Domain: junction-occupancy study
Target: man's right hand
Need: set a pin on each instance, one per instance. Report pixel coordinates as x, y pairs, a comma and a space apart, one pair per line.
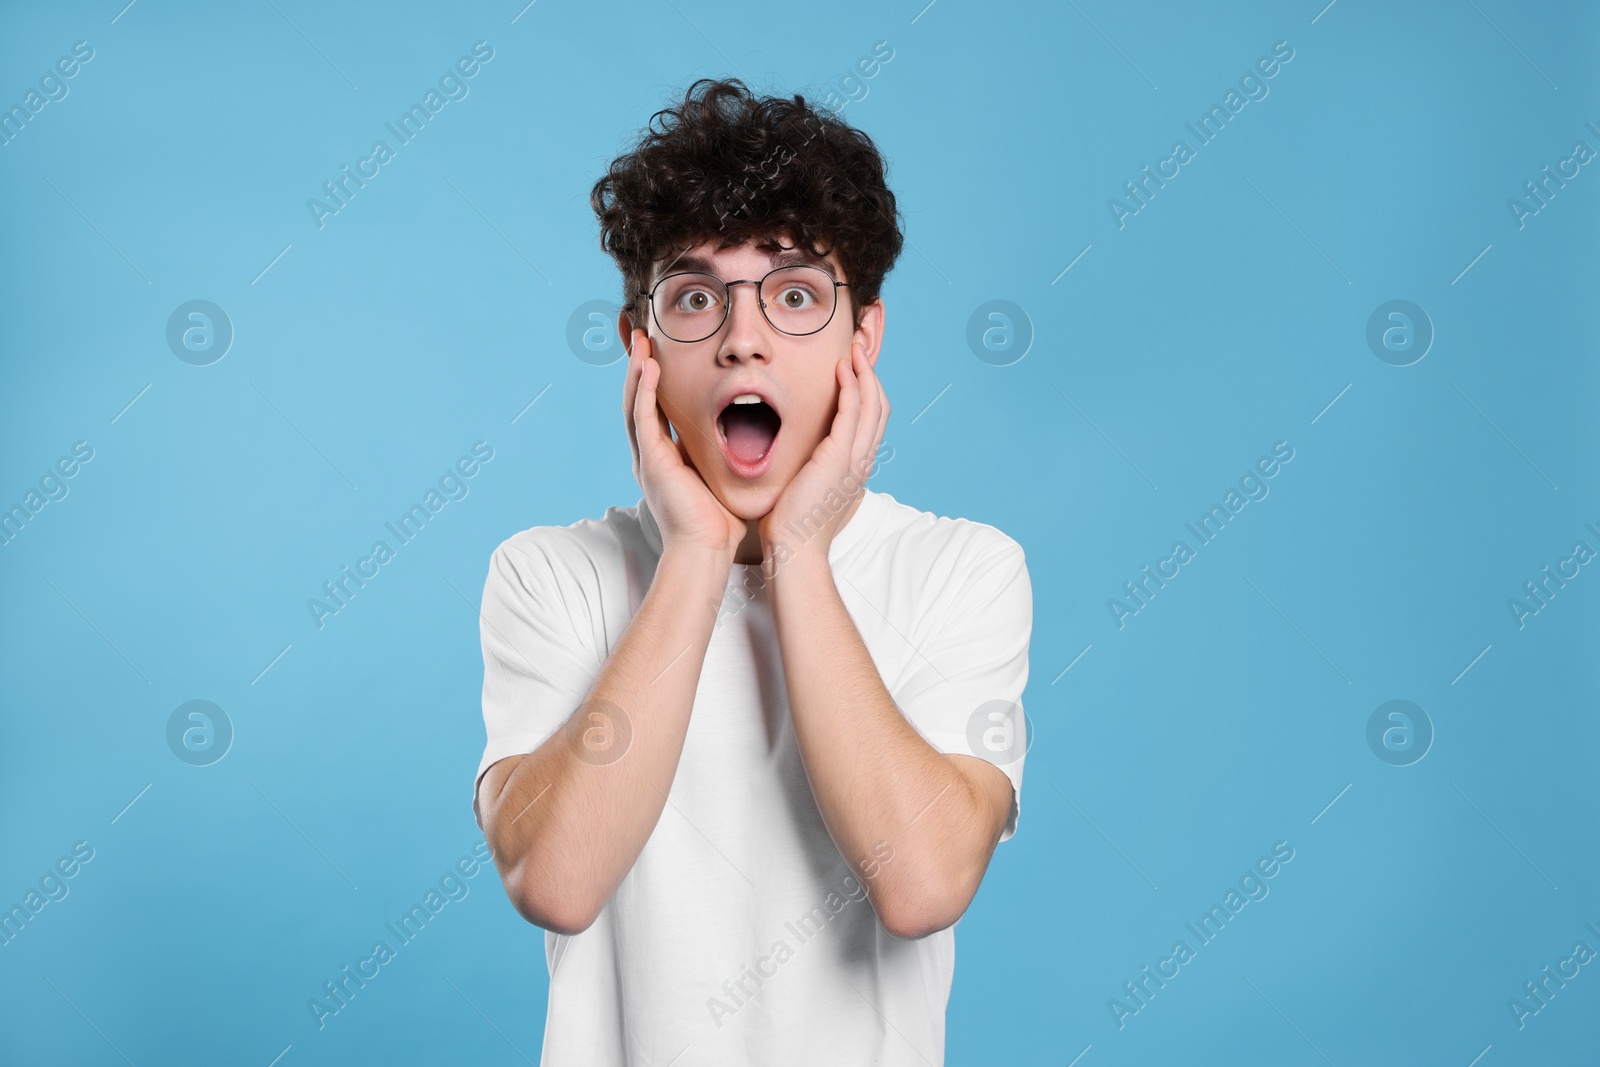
565, 827
685, 509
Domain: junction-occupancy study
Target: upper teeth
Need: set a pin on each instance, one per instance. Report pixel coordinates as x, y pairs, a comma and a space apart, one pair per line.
747, 398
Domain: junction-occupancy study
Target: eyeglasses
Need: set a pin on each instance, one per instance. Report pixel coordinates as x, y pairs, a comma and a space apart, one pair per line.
691, 306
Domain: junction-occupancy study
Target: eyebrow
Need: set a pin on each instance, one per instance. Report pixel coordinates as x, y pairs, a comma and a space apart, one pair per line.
791, 258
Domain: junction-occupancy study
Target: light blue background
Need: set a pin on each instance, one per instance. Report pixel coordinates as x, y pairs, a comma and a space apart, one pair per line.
1225, 316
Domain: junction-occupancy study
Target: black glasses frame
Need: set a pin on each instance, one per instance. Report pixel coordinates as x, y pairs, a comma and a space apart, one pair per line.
727, 303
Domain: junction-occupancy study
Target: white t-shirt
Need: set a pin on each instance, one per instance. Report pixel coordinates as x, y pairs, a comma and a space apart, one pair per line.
741, 936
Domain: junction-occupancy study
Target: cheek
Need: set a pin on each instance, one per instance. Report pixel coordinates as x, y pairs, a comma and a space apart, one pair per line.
825, 399
669, 398
813, 417
678, 402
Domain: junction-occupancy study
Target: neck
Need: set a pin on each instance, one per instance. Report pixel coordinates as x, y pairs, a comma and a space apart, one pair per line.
749, 550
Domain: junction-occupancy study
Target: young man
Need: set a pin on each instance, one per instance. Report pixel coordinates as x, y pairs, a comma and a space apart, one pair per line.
752, 741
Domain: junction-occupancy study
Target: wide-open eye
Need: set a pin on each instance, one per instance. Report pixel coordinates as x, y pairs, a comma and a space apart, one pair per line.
798, 300
695, 299
796, 297
689, 294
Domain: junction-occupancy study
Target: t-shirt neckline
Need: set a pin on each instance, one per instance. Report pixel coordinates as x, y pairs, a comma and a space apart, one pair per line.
868, 515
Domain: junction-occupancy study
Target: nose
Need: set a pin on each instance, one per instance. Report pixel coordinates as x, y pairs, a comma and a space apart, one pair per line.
749, 334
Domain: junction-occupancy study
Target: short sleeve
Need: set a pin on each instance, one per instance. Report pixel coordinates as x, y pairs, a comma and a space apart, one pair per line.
537, 665
964, 689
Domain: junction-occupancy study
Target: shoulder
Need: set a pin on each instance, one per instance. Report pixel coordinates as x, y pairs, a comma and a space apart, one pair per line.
587, 546
945, 545
941, 570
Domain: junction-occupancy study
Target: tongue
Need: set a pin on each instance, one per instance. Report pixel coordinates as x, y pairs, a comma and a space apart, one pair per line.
749, 435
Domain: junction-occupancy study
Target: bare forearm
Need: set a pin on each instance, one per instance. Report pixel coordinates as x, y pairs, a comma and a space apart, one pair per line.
573, 815
875, 779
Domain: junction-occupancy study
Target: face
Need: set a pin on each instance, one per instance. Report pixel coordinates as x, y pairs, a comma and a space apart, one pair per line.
748, 452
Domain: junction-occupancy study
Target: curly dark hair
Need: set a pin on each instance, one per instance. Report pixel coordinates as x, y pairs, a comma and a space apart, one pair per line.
726, 163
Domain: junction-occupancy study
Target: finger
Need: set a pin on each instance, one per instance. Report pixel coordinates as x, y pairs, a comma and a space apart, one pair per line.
872, 399
630, 388
848, 415
646, 410
866, 424
883, 414
883, 426
670, 434
878, 422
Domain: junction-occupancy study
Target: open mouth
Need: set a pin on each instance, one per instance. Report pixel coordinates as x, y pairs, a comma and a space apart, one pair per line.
748, 426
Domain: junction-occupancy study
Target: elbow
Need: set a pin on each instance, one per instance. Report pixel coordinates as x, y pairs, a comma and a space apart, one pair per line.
540, 899
556, 921
558, 913
909, 912
551, 912
911, 922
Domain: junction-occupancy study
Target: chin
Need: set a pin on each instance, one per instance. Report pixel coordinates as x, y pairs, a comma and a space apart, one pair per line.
749, 502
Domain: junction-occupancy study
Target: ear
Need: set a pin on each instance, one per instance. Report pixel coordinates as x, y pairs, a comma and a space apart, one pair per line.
870, 333
625, 329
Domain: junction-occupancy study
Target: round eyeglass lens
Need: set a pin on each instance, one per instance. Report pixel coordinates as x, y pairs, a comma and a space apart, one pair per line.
799, 300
